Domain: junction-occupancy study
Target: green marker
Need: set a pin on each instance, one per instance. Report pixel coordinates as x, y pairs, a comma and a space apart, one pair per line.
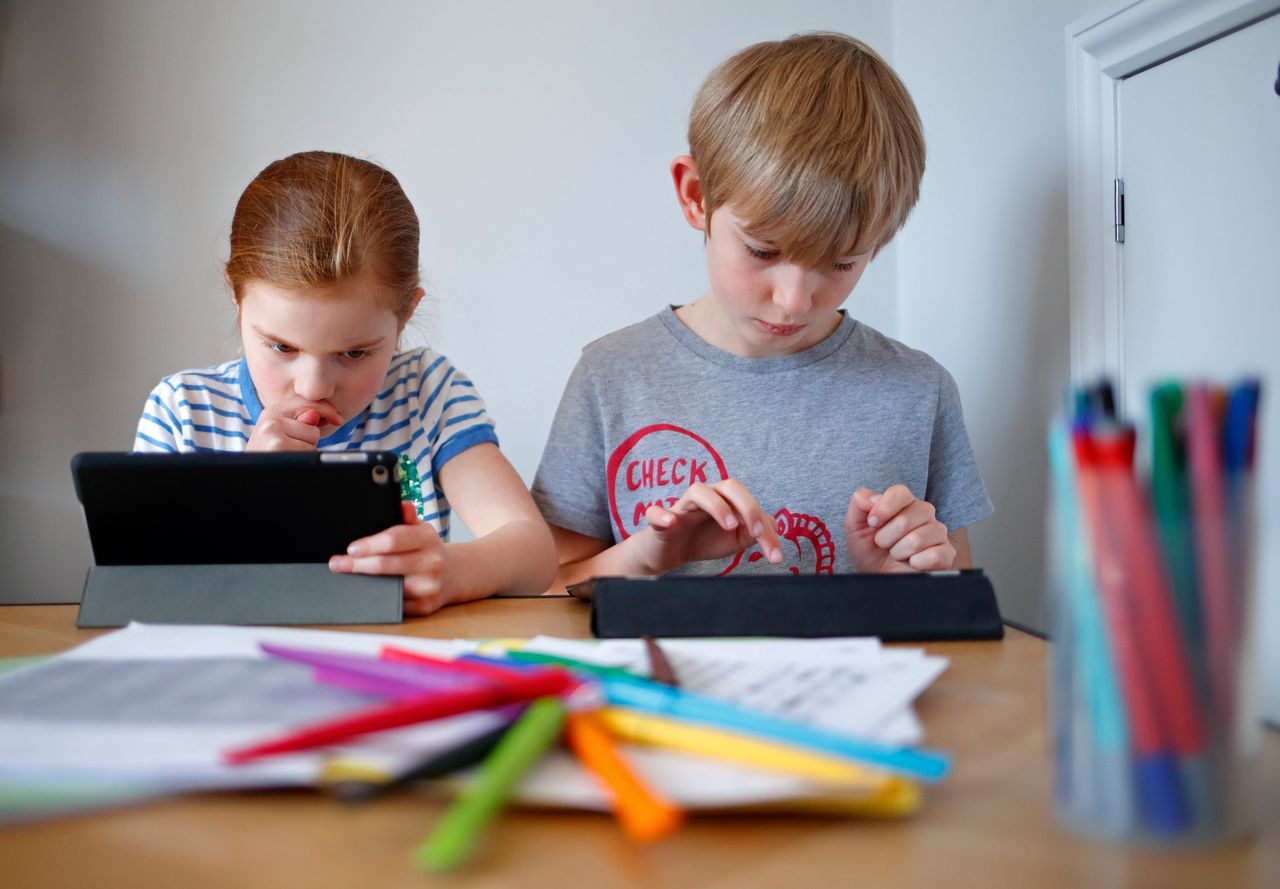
450, 844
536, 657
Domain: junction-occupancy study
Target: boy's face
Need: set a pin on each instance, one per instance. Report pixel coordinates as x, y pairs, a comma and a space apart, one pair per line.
764, 305
328, 344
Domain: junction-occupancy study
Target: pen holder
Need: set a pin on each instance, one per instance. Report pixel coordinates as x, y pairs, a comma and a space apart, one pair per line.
1154, 728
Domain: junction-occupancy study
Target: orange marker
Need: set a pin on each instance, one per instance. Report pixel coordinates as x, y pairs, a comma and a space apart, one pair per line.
645, 817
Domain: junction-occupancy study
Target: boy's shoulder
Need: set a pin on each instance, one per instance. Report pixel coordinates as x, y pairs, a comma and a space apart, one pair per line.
636, 339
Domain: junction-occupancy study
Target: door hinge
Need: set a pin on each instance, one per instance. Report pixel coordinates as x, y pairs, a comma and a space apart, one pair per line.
1118, 197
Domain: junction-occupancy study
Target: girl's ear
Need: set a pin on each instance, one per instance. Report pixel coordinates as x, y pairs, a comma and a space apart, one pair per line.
414, 299
684, 173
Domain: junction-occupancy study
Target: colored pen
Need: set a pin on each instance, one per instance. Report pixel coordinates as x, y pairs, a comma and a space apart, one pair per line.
644, 815
409, 712
1100, 732
361, 788
1171, 498
1157, 782
683, 705
554, 660
719, 743
1213, 553
450, 844
660, 668
392, 677
476, 668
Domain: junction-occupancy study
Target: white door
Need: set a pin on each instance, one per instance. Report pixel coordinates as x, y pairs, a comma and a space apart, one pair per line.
1199, 140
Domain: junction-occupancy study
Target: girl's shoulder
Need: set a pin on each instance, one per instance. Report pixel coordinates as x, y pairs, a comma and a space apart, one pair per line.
219, 380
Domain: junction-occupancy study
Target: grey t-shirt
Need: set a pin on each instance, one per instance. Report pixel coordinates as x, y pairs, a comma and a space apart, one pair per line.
652, 408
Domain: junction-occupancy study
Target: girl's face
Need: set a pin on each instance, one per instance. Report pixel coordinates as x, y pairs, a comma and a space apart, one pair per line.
326, 344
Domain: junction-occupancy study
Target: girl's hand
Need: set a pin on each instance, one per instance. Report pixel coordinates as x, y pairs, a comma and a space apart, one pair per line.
709, 521
413, 550
894, 531
292, 425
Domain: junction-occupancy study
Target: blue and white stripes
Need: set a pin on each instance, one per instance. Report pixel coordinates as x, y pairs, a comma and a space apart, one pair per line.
426, 408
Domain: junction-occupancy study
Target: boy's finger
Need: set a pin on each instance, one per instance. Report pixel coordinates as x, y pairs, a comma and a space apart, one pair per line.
711, 502
762, 527
935, 558
659, 517
889, 504
918, 540
916, 515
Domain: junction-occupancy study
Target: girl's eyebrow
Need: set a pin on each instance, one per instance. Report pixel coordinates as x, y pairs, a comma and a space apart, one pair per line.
268, 336
357, 347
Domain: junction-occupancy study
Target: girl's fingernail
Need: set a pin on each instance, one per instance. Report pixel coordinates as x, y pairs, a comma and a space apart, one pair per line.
731, 523
357, 548
874, 497
338, 563
757, 529
873, 520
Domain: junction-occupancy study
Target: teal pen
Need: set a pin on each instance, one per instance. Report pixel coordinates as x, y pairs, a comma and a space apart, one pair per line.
1104, 793
451, 843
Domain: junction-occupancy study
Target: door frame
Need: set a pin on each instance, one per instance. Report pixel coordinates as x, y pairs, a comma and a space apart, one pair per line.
1102, 49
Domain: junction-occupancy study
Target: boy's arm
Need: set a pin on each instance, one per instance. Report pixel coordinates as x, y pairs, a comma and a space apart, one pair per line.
709, 521
964, 556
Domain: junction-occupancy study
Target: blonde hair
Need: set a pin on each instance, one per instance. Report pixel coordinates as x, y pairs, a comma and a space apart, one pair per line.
317, 217
815, 142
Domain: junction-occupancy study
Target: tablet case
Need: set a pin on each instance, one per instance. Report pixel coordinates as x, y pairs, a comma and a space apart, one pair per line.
260, 594
234, 538
896, 607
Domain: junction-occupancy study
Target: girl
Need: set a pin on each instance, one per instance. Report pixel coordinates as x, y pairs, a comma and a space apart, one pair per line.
324, 276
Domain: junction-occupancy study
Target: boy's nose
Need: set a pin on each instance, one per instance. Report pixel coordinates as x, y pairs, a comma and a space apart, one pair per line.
792, 290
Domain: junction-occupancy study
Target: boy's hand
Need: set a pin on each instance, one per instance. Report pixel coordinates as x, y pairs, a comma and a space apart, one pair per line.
894, 531
291, 425
413, 550
709, 521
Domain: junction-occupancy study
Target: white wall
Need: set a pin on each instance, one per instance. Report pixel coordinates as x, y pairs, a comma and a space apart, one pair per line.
532, 137
982, 265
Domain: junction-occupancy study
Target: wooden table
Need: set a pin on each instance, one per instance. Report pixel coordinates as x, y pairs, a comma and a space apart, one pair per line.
989, 825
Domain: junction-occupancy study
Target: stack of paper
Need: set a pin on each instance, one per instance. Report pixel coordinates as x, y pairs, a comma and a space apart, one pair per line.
151, 709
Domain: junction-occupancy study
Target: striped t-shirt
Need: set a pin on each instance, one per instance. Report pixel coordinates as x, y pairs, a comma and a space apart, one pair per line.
426, 408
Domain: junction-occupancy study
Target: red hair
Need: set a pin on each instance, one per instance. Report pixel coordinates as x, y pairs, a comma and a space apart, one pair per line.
315, 218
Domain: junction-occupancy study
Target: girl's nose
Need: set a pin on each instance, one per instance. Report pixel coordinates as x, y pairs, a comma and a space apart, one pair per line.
313, 382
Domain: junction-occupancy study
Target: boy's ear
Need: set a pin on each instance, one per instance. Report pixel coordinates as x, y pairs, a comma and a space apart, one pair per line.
684, 173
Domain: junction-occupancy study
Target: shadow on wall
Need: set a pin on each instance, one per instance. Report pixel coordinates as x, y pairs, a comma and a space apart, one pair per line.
64, 325
1013, 540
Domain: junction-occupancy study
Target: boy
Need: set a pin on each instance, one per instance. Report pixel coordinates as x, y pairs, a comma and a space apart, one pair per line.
805, 159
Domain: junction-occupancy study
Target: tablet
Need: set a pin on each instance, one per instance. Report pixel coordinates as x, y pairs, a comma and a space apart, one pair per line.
943, 605
218, 509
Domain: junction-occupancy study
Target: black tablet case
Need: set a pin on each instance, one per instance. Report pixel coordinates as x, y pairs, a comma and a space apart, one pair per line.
233, 538
895, 607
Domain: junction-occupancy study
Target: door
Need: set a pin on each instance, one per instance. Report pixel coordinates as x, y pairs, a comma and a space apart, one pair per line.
1199, 139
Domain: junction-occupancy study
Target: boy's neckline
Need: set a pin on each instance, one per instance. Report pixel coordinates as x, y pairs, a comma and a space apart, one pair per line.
707, 351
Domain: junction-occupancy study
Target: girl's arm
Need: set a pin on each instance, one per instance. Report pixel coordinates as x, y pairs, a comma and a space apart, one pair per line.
512, 553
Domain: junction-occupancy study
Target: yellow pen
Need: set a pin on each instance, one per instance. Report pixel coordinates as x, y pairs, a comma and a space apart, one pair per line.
645, 728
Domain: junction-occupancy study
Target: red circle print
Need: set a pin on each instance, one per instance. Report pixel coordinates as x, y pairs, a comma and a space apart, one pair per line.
655, 465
